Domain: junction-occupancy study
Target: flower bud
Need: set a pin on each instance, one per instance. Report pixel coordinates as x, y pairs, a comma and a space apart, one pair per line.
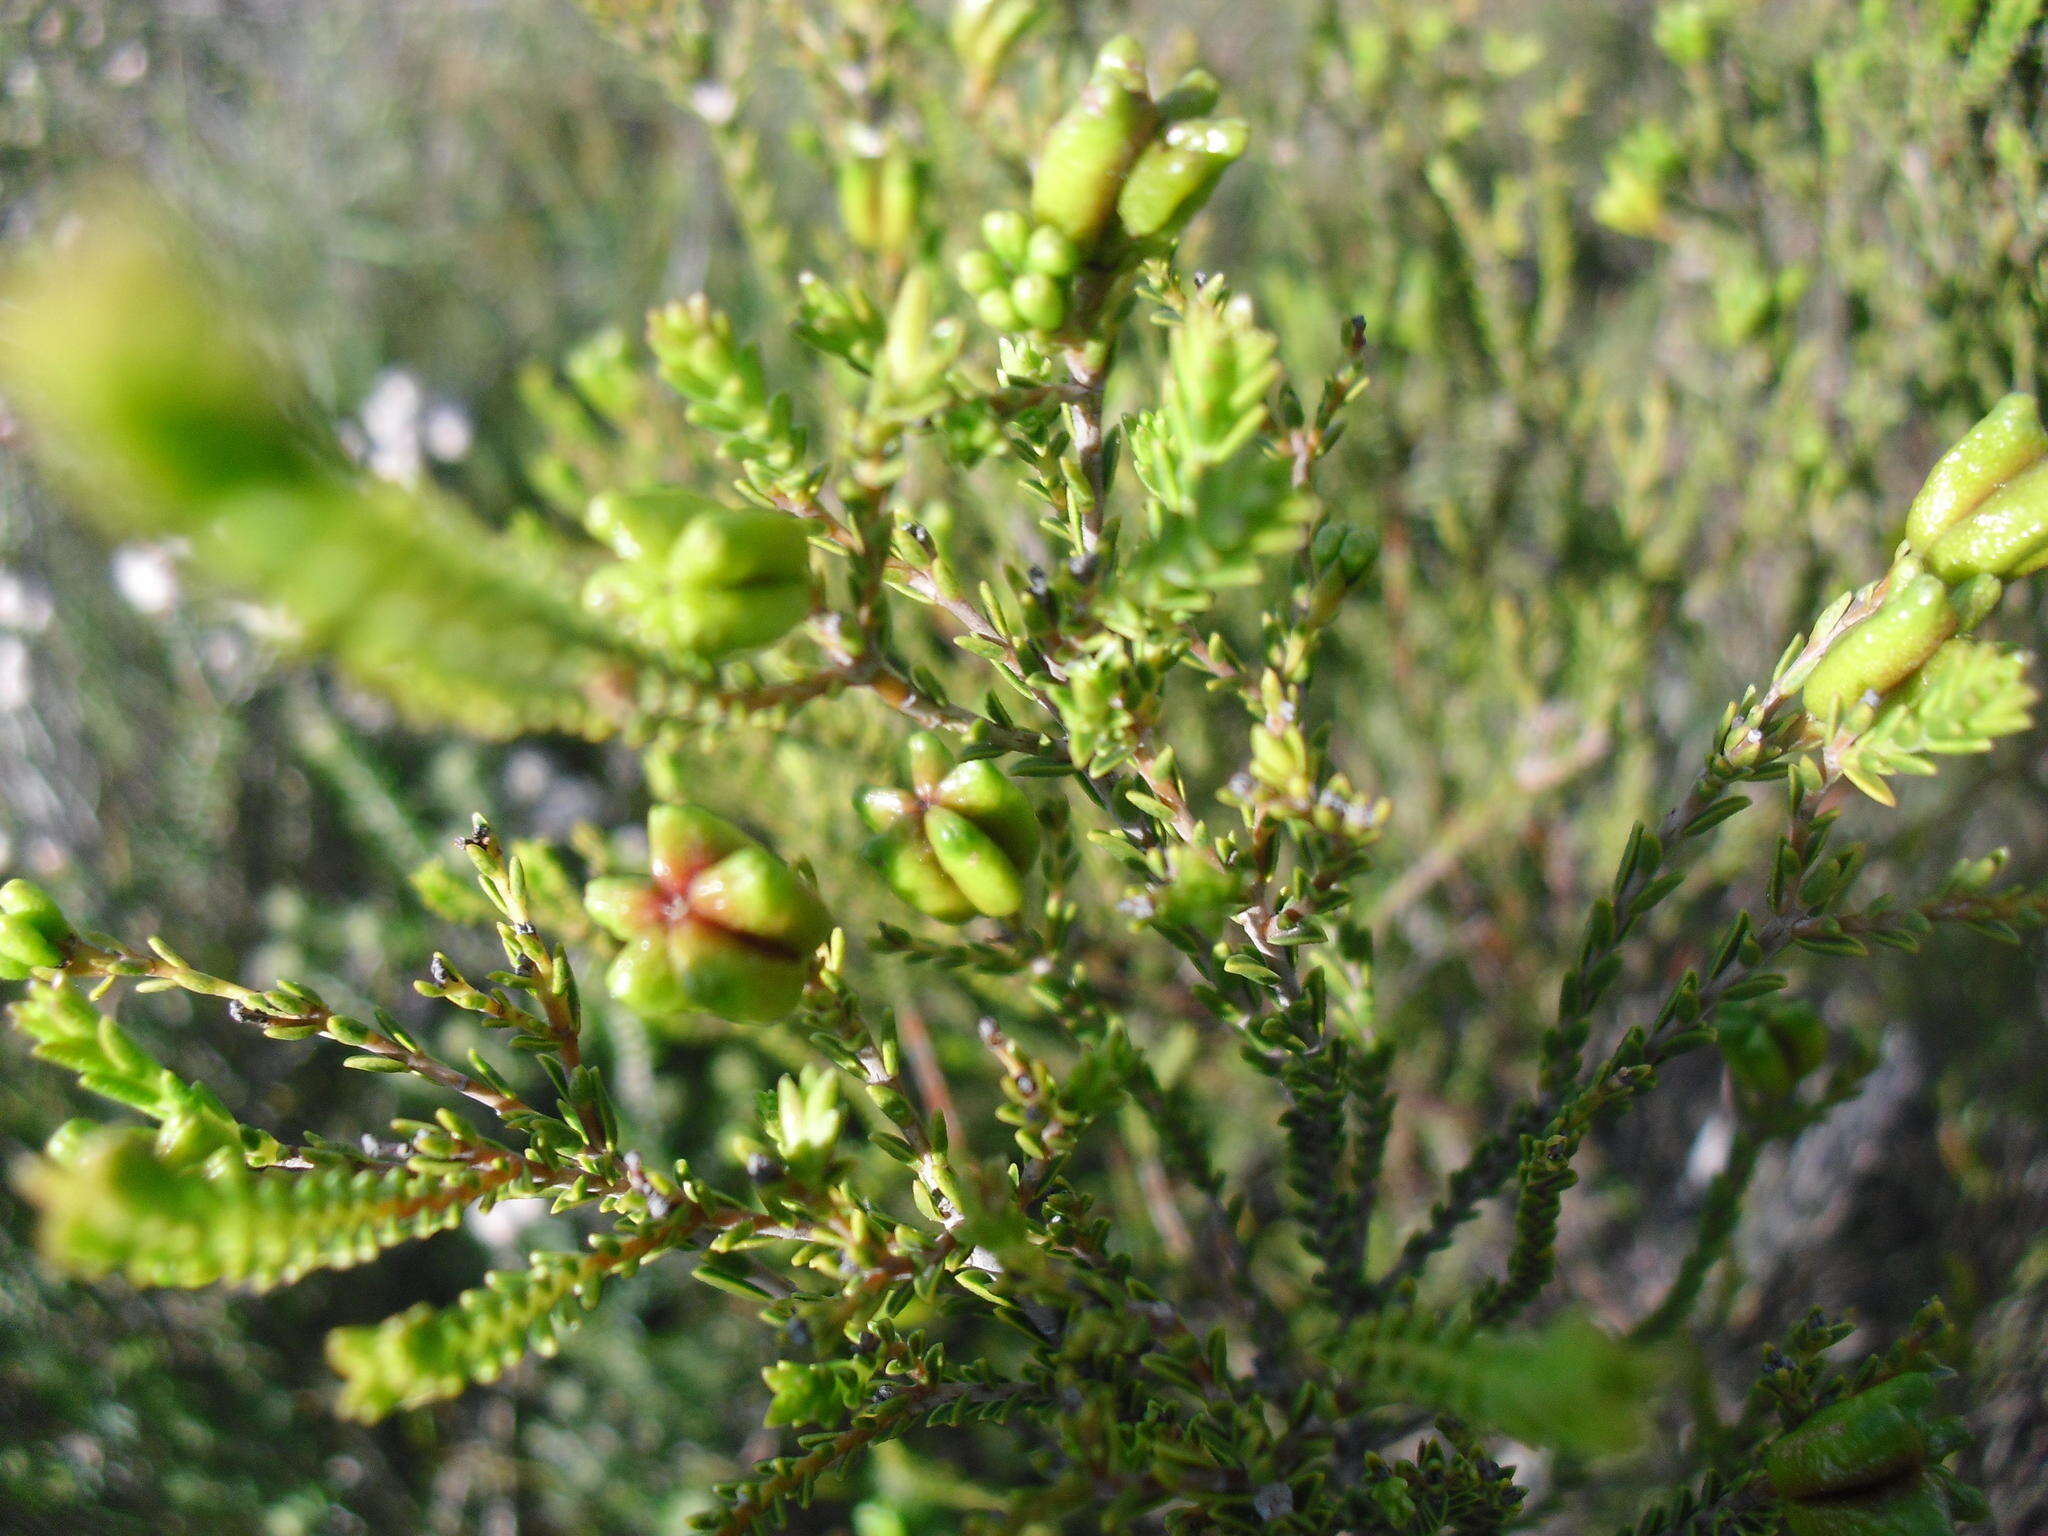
858, 184
741, 578
2005, 442
1089, 150
1007, 234
1194, 94
958, 842
33, 904
1914, 1508
23, 949
33, 932
1051, 252
1974, 600
1860, 1441
720, 926
1176, 174
2007, 534
1340, 555
881, 189
1771, 1049
997, 312
984, 31
643, 524
1038, 301
1882, 650
979, 272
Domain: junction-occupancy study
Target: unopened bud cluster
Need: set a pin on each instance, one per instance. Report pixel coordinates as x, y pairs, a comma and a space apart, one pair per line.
1119, 177
696, 576
1980, 520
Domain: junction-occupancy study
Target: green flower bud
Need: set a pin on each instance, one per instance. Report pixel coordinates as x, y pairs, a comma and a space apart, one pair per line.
1090, 149
1755, 1063
33, 933
1913, 1510
997, 312
881, 189
1883, 650
1176, 174
2007, 534
904, 858
978, 791
958, 842
741, 578
1340, 556
899, 199
979, 272
985, 876
2005, 442
1038, 301
1194, 94
1007, 234
1974, 600
984, 31
1770, 1049
33, 904
720, 926
859, 185
1860, 1442
1686, 31
641, 524
929, 760
1051, 252
1801, 1037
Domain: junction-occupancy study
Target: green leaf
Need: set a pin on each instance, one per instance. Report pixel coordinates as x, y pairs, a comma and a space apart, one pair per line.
1968, 695
154, 399
115, 1202
428, 1353
1567, 1386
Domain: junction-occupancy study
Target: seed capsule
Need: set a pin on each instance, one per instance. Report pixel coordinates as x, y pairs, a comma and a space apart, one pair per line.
721, 925
1090, 149
2005, 442
958, 842
1883, 650
741, 578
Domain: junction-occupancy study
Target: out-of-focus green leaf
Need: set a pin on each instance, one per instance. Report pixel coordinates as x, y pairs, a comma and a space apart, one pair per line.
157, 404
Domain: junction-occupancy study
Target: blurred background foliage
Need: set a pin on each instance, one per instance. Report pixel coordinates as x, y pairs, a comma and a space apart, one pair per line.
1671, 305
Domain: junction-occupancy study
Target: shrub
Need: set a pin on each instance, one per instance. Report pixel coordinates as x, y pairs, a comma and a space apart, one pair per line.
1048, 660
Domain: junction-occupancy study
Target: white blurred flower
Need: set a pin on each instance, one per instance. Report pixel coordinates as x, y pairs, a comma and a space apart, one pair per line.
446, 432
146, 576
24, 605
17, 684
401, 427
391, 427
1710, 1149
500, 1226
